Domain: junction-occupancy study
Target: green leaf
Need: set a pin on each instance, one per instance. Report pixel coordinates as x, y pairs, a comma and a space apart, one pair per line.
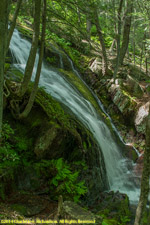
55, 182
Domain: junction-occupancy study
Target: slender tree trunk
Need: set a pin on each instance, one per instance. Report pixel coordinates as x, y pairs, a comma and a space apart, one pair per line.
112, 46
37, 77
126, 31
88, 28
118, 39
13, 24
134, 44
141, 57
146, 65
100, 35
32, 55
145, 178
3, 36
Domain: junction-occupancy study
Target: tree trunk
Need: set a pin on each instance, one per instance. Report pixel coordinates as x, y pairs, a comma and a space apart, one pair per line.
100, 35
88, 28
32, 55
37, 77
112, 46
13, 24
3, 36
145, 178
126, 31
118, 39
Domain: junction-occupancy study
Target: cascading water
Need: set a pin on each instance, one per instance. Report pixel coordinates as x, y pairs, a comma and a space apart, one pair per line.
119, 176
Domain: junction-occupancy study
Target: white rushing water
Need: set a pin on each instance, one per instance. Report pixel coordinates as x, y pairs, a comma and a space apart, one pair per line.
119, 176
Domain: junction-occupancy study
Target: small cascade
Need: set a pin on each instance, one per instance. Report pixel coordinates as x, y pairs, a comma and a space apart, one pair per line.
119, 169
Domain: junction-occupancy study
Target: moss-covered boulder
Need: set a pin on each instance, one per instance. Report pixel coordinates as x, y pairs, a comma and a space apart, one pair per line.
114, 207
72, 211
50, 133
61, 135
133, 87
122, 99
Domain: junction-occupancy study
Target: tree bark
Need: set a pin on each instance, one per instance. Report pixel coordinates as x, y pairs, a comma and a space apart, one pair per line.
145, 178
118, 39
100, 35
88, 28
126, 32
32, 55
28, 107
112, 46
13, 24
3, 35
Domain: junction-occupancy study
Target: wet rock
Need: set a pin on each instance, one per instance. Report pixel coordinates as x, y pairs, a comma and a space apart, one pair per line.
140, 119
131, 152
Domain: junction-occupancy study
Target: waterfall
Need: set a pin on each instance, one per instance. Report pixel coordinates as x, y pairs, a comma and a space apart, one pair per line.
119, 176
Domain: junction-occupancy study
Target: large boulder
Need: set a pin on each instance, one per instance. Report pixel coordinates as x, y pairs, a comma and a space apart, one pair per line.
96, 65
65, 137
114, 206
133, 87
125, 103
72, 211
140, 119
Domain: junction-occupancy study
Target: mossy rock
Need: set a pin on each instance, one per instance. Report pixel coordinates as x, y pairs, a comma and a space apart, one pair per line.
84, 90
123, 100
72, 211
133, 87
115, 206
28, 209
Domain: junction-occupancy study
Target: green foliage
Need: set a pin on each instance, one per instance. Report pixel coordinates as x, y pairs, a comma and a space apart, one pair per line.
66, 45
62, 180
7, 154
9, 159
124, 220
51, 60
108, 41
93, 30
22, 143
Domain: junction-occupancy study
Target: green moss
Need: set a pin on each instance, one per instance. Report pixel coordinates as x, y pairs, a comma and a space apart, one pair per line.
115, 211
76, 81
7, 67
109, 222
19, 208
132, 99
26, 31
52, 108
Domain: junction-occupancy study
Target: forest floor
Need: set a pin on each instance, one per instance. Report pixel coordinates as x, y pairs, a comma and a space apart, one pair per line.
32, 206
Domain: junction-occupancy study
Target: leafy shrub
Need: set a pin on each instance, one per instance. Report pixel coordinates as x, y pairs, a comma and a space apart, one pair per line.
62, 180
9, 159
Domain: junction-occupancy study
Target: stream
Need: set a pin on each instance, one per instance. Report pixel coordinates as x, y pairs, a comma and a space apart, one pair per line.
119, 169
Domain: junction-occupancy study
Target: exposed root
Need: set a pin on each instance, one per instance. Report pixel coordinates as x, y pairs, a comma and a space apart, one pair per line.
7, 93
